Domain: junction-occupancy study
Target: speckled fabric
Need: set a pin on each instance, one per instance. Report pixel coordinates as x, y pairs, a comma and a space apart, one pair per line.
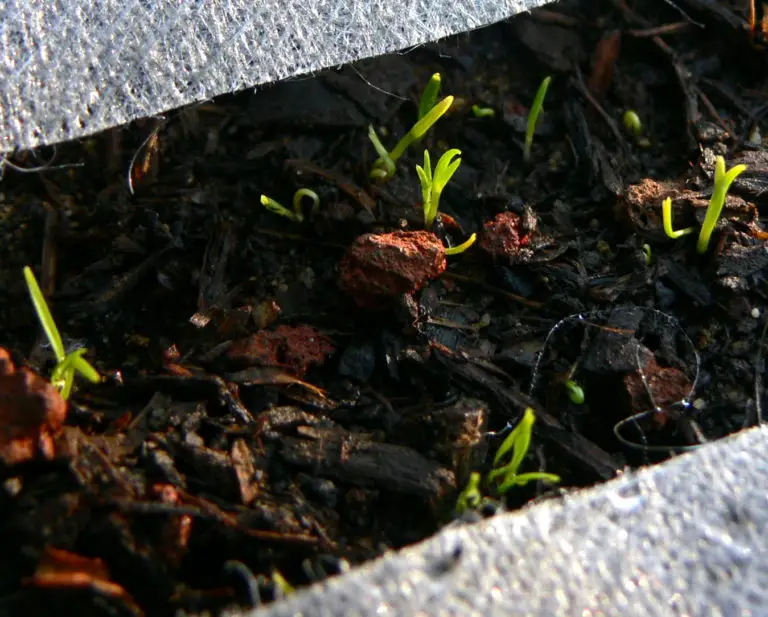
72, 68
689, 537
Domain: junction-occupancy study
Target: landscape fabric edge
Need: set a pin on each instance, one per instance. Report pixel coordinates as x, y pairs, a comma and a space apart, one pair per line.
686, 537
71, 69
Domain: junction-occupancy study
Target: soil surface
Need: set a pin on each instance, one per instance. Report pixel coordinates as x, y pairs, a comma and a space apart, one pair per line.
284, 399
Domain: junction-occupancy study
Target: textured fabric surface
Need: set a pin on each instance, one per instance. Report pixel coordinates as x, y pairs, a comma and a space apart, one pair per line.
689, 537
69, 68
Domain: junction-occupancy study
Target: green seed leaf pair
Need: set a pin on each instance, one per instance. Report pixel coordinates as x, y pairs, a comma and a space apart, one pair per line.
67, 364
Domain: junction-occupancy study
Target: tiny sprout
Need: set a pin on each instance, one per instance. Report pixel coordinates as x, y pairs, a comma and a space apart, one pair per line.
632, 123
455, 250
384, 166
666, 219
432, 185
296, 215
429, 96
282, 583
67, 364
533, 117
575, 392
483, 112
519, 440
646, 248
634, 127
471, 497
723, 181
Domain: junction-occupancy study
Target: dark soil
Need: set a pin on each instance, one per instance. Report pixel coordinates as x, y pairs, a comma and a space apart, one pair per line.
261, 413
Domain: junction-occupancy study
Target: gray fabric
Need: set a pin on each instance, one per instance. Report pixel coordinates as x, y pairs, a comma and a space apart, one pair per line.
687, 537
69, 68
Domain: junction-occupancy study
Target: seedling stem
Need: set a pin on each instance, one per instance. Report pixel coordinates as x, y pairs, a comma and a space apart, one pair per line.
723, 181
533, 117
67, 364
432, 185
666, 219
384, 167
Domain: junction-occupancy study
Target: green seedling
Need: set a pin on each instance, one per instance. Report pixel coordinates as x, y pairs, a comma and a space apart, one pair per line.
666, 219
282, 583
647, 255
432, 184
67, 364
634, 127
384, 167
483, 112
471, 497
297, 214
632, 123
533, 117
723, 181
518, 442
429, 96
456, 250
575, 391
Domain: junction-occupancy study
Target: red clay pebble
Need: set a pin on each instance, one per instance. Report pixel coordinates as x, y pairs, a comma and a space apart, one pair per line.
32, 413
379, 267
504, 236
294, 348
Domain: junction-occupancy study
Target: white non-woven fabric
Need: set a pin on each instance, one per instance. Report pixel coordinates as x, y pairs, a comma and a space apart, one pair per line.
688, 537
70, 68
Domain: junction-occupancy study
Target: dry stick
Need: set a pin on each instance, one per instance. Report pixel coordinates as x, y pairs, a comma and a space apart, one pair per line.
506, 294
613, 126
642, 33
711, 108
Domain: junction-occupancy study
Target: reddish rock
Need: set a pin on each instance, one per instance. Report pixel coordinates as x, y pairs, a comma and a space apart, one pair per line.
667, 384
506, 237
294, 348
379, 267
32, 413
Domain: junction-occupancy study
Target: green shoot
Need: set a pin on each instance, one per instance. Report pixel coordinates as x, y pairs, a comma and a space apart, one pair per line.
432, 185
455, 250
471, 497
282, 583
518, 441
575, 391
723, 181
277, 208
311, 195
67, 364
647, 255
384, 167
533, 117
632, 123
634, 127
666, 219
296, 215
483, 112
429, 96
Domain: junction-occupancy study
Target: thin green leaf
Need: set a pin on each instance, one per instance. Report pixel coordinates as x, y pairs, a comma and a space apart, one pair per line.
421, 127
384, 166
533, 117
470, 497
44, 315
429, 96
456, 250
511, 439
277, 208
723, 182
525, 478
